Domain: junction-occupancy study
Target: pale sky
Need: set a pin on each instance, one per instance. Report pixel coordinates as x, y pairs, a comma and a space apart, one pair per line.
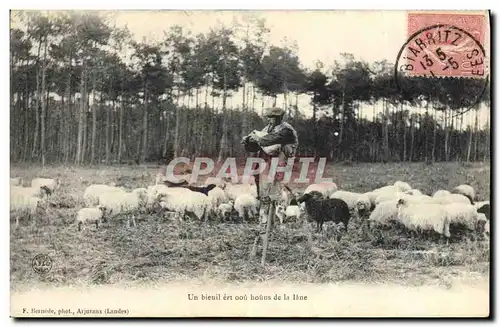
320, 35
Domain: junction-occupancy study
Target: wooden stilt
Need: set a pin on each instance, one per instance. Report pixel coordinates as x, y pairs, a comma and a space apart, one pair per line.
265, 242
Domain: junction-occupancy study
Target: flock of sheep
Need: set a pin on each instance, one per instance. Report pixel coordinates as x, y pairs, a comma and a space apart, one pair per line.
398, 203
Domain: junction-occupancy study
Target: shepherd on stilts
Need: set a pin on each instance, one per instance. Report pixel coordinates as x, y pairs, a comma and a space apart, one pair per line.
277, 140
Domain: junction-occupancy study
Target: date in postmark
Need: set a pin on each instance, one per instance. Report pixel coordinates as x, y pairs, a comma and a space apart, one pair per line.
443, 51
444, 55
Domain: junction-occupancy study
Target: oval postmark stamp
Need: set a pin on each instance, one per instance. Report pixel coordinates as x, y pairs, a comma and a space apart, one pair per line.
41, 264
446, 61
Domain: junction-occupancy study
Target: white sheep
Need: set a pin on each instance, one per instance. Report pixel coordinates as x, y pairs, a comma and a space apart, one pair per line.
182, 200
235, 190
465, 214
384, 213
325, 188
200, 205
224, 210
291, 211
388, 191
50, 184
402, 186
23, 204
420, 217
418, 199
389, 195
38, 192
89, 215
465, 190
453, 198
357, 202
246, 206
217, 196
440, 193
92, 193
115, 203
16, 181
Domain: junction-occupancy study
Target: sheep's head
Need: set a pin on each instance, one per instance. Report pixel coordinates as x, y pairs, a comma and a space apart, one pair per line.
401, 202
103, 209
304, 197
45, 190
361, 206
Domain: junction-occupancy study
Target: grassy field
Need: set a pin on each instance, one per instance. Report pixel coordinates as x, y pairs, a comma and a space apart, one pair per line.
159, 250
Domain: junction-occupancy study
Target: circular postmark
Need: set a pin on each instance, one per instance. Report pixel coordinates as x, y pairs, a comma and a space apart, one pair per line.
443, 64
41, 264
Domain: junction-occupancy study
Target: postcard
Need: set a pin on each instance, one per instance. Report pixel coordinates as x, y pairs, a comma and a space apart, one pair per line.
250, 163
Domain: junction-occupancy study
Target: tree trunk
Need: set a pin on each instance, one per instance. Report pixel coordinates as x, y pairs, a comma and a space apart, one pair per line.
120, 130
37, 104
94, 121
78, 157
145, 123
176, 135
44, 105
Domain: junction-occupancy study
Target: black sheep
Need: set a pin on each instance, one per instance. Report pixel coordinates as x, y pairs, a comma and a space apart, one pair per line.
321, 209
486, 210
203, 189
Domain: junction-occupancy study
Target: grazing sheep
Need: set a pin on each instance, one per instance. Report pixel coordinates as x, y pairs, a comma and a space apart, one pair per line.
22, 203
386, 191
116, 203
224, 210
215, 180
357, 202
246, 206
384, 213
291, 211
325, 188
38, 192
464, 214
183, 200
389, 195
453, 198
485, 209
92, 193
50, 184
421, 217
218, 196
89, 215
402, 186
465, 190
321, 209
440, 193
235, 190
16, 181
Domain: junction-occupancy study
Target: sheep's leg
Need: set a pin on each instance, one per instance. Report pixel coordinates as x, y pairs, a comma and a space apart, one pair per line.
97, 224
265, 242
133, 221
79, 226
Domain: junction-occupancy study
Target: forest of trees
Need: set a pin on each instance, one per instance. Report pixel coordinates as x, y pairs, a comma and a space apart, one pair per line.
119, 100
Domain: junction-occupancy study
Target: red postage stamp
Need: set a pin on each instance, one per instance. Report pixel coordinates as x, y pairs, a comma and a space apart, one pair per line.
452, 44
